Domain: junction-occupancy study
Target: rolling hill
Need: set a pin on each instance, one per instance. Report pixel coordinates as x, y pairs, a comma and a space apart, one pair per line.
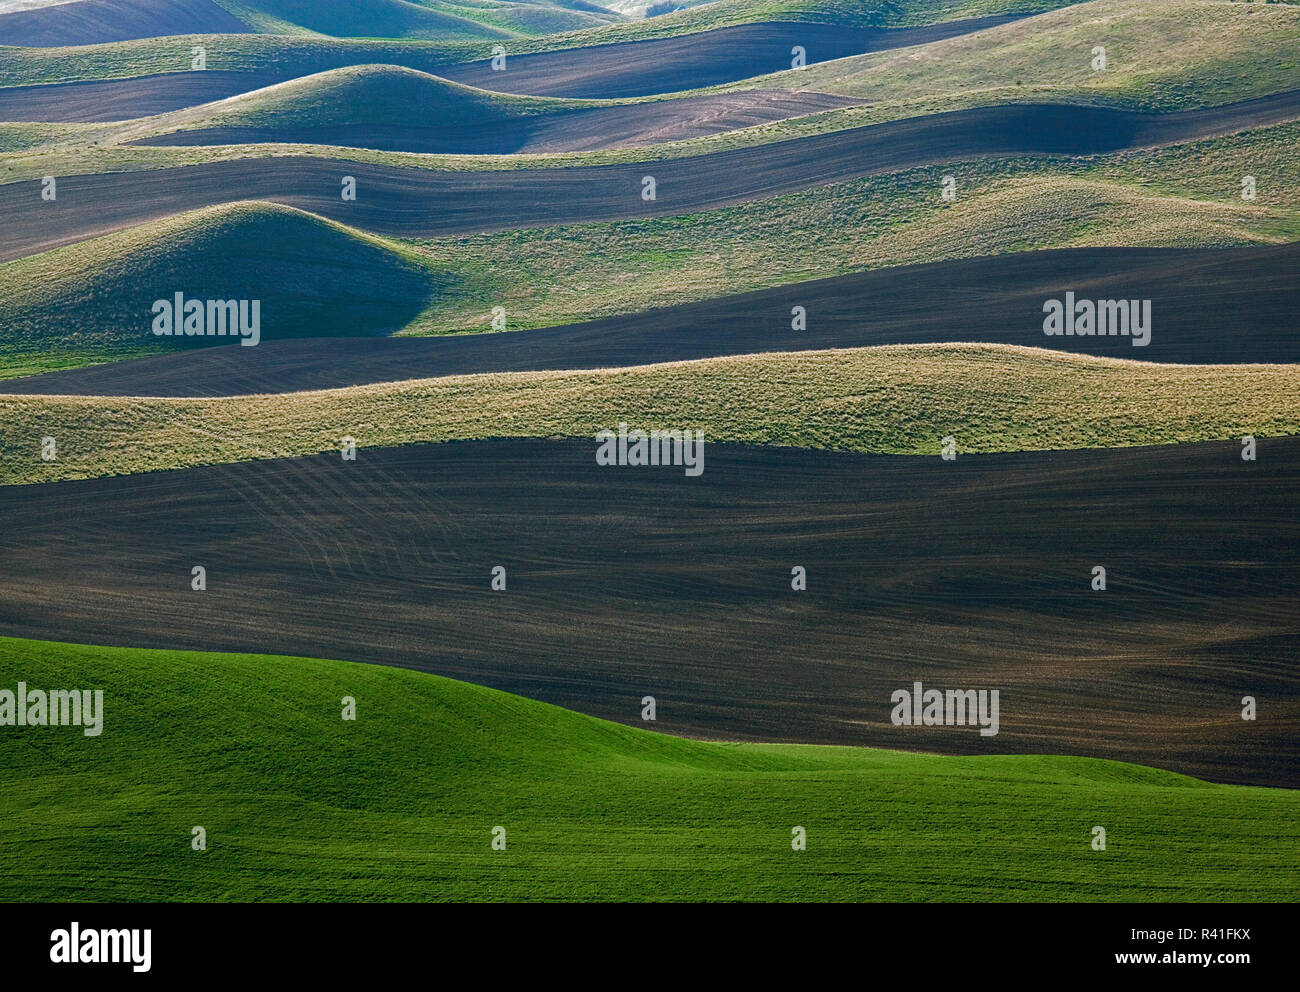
1243, 312
460, 274
311, 276
585, 271
88, 22
125, 99
295, 51
399, 109
1172, 55
376, 95
93, 22
890, 399
970, 573
372, 18
422, 201
676, 62
403, 802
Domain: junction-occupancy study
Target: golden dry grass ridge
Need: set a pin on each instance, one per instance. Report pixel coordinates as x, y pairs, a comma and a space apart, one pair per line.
892, 399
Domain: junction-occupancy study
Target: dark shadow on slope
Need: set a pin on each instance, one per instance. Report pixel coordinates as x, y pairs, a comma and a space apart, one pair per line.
576, 130
93, 22
971, 574
709, 58
125, 99
1229, 305
309, 278
425, 202
605, 73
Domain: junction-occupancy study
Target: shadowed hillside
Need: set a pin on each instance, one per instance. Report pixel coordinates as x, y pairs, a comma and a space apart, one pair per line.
312, 278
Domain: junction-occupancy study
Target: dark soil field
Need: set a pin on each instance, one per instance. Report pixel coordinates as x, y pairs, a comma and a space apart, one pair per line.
1242, 311
124, 99
355, 189
631, 582
609, 71
90, 22
670, 65
419, 202
579, 130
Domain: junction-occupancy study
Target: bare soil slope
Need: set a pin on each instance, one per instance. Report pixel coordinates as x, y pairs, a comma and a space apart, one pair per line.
967, 574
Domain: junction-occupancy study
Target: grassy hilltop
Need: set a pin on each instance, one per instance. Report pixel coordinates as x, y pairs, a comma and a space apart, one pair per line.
83, 303
296, 51
314, 278
988, 577
889, 399
299, 804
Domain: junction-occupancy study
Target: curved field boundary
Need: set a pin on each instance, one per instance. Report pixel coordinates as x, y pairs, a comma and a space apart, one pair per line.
966, 574
686, 62
92, 22
1216, 306
643, 68
125, 99
591, 129
420, 202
